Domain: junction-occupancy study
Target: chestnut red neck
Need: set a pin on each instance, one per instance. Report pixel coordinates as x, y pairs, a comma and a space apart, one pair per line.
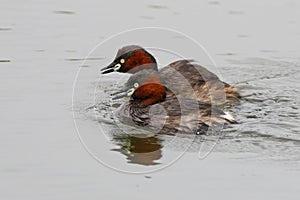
150, 92
139, 60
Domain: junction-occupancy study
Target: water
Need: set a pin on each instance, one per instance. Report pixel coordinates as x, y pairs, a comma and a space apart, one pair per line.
255, 45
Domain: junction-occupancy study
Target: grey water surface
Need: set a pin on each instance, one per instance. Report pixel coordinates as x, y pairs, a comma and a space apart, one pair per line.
46, 50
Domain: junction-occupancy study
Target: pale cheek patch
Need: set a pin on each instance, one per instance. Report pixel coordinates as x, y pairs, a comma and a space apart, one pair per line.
130, 92
117, 67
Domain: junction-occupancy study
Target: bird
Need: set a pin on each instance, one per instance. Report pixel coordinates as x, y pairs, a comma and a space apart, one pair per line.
150, 107
183, 78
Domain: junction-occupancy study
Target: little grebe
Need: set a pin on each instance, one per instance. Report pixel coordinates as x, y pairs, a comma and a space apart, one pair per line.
184, 78
149, 106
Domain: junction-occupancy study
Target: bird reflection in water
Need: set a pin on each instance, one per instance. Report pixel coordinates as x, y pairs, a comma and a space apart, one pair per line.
143, 151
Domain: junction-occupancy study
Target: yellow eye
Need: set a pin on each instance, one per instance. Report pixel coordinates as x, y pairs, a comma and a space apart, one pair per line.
136, 85
122, 61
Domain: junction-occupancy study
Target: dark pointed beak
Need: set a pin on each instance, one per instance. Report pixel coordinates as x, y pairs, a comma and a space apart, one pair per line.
108, 69
120, 94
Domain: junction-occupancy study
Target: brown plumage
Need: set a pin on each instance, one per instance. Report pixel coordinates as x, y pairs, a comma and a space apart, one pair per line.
150, 107
182, 78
